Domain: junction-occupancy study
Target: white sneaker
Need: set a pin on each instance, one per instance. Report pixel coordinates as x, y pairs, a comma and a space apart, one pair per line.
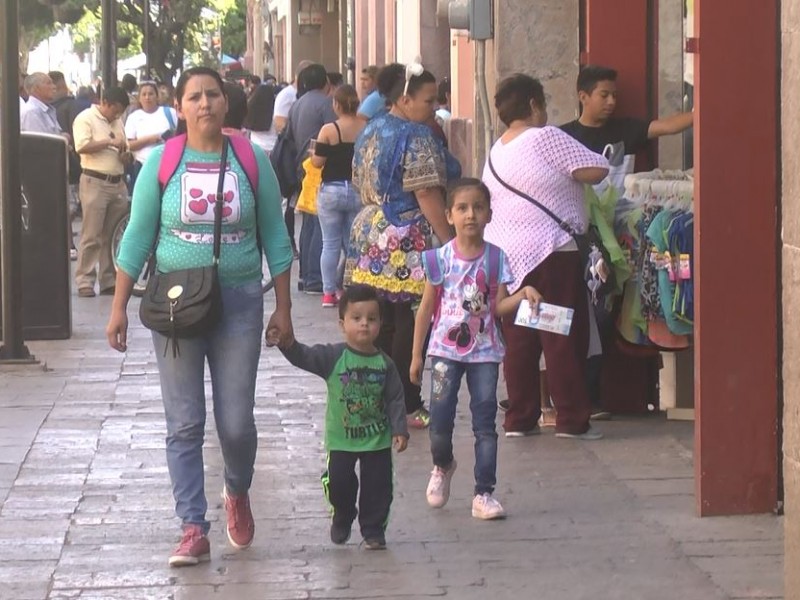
438, 492
516, 434
486, 506
589, 434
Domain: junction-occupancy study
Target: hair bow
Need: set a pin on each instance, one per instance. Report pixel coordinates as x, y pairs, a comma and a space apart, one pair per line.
413, 69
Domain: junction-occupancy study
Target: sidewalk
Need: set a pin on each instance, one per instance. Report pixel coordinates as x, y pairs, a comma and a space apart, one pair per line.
87, 511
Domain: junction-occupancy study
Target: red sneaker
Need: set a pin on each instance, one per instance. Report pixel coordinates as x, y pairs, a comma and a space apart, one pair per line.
193, 549
241, 526
329, 300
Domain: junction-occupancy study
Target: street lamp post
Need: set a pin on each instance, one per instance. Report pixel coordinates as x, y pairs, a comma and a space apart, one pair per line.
109, 44
13, 349
146, 34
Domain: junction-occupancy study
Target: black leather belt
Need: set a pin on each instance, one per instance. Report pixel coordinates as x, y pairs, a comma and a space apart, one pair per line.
103, 176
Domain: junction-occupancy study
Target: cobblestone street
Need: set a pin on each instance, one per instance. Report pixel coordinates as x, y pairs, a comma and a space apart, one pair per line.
87, 511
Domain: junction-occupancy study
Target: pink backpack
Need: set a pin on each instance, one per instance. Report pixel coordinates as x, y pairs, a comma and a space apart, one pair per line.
173, 153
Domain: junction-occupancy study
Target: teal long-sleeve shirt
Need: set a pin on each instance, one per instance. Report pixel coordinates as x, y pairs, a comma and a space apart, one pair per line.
184, 218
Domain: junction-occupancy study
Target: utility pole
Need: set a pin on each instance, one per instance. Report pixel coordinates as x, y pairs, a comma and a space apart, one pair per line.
13, 349
109, 44
148, 63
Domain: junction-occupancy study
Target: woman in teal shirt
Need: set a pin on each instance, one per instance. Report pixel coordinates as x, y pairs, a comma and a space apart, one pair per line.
184, 218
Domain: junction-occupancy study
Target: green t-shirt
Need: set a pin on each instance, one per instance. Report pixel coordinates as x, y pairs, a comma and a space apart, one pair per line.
366, 402
184, 217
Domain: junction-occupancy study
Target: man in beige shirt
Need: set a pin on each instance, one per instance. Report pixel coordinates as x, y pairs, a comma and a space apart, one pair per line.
101, 143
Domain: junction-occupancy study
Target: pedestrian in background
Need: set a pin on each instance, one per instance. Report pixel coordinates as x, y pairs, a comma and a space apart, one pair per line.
365, 414
338, 203
399, 170
184, 221
260, 122
148, 127
546, 164
100, 141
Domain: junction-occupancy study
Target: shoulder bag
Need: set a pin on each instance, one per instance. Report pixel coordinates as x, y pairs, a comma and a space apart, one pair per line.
590, 247
188, 302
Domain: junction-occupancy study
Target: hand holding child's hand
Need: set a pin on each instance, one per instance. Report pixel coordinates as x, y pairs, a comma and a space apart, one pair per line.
400, 442
533, 297
415, 372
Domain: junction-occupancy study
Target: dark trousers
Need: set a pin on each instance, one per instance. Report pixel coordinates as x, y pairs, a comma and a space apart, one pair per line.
397, 340
288, 219
559, 279
341, 488
310, 252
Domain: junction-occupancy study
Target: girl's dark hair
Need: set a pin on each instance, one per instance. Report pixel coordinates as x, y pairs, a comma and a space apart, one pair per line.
180, 88
237, 106
260, 109
347, 98
444, 89
467, 182
150, 84
392, 80
358, 293
514, 95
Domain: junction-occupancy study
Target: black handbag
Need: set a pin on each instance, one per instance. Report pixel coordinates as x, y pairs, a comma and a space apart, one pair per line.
589, 244
188, 302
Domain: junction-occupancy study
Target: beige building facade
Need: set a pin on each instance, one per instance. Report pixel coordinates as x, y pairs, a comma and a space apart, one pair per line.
790, 128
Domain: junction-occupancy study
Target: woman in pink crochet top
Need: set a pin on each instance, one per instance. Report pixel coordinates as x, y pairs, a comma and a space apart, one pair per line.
550, 166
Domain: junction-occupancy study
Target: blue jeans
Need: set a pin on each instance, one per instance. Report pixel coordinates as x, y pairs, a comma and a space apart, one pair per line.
337, 207
232, 349
310, 252
482, 385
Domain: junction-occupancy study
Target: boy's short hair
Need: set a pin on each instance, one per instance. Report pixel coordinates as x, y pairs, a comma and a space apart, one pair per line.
467, 182
371, 71
358, 293
591, 75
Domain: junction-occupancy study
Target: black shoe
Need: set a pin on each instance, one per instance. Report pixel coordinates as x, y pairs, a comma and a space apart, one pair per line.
340, 532
313, 290
300, 286
375, 543
503, 405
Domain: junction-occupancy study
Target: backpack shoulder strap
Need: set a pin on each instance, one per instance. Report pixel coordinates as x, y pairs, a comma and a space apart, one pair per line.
170, 119
493, 259
243, 150
432, 263
170, 159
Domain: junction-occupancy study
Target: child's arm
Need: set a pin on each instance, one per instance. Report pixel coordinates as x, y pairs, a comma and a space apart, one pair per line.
394, 399
421, 325
319, 359
507, 305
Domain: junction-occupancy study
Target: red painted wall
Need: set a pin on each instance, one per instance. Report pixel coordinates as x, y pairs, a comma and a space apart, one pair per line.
736, 191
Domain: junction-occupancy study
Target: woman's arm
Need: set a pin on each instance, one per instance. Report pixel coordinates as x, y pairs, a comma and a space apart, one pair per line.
422, 323
590, 175
323, 136
431, 203
139, 143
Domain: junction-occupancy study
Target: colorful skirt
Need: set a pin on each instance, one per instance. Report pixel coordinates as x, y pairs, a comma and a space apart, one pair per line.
387, 257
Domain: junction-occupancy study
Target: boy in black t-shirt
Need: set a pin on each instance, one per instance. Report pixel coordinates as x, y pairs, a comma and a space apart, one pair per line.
619, 139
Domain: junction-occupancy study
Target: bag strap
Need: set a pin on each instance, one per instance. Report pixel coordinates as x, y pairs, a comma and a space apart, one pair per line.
339, 131
170, 118
492, 265
223, 165
562, 224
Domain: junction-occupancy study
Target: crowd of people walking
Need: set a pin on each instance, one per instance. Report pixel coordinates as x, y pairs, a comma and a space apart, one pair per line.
420, 263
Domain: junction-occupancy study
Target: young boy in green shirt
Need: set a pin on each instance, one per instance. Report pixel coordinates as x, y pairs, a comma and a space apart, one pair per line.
365, 414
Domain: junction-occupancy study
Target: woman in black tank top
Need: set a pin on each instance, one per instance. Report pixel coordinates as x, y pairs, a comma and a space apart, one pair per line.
337, 202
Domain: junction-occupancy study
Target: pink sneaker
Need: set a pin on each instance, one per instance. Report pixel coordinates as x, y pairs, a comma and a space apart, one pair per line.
193, 549
438, 492
241, 527
329, 300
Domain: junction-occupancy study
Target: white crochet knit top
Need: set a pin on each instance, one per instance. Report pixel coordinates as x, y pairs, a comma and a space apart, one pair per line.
539, 162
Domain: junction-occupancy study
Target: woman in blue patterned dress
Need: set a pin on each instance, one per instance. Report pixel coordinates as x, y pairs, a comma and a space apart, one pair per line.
400, 171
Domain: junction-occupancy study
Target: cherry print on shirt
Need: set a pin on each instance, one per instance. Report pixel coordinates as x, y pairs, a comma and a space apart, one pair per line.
198, 194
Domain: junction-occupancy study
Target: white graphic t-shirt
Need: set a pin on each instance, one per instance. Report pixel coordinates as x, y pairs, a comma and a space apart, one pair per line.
464, 327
